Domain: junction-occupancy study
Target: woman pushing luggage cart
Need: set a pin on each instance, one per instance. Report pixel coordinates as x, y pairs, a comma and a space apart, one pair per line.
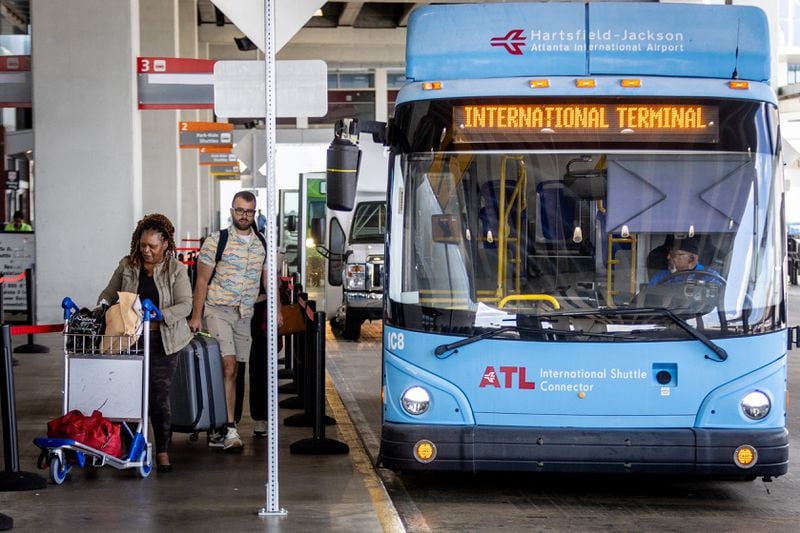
108, 373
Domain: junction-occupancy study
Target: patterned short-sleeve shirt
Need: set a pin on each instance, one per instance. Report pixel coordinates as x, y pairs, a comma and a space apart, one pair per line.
237, 277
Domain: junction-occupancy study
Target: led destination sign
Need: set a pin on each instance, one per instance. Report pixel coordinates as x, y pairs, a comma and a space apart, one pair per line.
614, 122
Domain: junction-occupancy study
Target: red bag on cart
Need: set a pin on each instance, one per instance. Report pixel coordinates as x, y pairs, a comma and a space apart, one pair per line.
104, 435
95, 431
68, 426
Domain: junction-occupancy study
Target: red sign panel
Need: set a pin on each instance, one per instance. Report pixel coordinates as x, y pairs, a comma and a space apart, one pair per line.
175, 83
14, 63
174, 65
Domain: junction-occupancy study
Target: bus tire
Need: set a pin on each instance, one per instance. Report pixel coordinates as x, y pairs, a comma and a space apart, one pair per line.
352, 328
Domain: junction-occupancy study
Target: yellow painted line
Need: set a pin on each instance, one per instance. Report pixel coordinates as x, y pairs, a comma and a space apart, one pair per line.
387, 514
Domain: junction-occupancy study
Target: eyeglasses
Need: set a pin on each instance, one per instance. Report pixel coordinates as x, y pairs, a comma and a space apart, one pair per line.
239, 211
675, 252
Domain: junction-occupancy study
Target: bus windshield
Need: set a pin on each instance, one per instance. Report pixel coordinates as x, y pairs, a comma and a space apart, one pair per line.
499, 228
369, 223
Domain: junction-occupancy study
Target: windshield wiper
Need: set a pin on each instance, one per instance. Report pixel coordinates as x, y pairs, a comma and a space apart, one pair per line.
443, 348
688, 328
681, 323
662, 311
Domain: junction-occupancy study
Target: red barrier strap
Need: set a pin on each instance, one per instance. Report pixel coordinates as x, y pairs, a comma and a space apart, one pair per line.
13, 279
306, 309
187, 248
30, 330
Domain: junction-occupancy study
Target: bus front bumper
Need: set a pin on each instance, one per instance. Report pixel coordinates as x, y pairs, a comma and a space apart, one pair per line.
691, 451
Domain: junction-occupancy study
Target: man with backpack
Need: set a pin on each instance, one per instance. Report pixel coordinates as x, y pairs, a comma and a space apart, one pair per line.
230, 271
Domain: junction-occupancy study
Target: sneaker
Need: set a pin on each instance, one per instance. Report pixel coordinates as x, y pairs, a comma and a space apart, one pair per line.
260, 428
215, 439
232, 442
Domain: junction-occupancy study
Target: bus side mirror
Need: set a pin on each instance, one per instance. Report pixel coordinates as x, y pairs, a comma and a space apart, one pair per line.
318, 231
343, 160
337, 255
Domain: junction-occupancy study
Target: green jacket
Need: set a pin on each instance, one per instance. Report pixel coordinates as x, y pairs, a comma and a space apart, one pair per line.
174, 293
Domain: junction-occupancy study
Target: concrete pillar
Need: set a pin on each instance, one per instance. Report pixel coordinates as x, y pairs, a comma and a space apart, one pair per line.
87, 145
381, 95
190, 169
161, 160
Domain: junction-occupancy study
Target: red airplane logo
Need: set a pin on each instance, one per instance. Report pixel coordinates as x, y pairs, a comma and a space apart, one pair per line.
513, 41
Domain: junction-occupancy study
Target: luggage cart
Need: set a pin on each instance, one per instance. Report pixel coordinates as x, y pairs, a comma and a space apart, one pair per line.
110, 374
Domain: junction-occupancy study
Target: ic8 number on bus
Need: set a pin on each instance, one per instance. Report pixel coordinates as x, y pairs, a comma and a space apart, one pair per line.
397, 341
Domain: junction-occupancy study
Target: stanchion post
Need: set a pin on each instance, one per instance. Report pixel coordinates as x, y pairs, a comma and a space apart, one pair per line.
30, 303
305, 364
319, 444
12, 479
2, 297
319, 375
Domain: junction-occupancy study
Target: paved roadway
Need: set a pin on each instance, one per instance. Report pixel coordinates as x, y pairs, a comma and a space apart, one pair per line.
514, 502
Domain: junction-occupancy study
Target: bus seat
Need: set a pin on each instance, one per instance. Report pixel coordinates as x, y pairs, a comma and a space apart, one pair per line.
557, 211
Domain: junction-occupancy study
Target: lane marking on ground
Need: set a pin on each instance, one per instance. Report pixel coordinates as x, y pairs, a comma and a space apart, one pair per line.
387, 514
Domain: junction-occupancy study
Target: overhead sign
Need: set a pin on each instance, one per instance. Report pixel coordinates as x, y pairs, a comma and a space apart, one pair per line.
227, 170
215, 155
182, 83
15, 81
175, 83
301, 89
200, 134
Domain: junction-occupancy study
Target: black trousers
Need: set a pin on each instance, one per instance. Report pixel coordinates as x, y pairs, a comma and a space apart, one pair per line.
258, 365
162, 371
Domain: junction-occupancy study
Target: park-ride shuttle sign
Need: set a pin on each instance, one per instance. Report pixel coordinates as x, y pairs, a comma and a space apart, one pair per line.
202, 134
217, 156
214, 141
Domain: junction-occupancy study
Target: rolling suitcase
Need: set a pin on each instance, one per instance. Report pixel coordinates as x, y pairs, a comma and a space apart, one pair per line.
197, 397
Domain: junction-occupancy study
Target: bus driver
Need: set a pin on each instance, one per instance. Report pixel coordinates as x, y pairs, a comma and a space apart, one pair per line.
681, 258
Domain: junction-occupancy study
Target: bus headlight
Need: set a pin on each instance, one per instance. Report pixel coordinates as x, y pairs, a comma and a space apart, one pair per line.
355, 277
415, 400
756, 405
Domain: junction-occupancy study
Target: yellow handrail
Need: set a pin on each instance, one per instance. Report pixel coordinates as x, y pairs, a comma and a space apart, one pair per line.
530, 297
517, 197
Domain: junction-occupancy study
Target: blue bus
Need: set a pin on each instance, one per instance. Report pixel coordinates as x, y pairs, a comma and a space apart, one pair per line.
586, 245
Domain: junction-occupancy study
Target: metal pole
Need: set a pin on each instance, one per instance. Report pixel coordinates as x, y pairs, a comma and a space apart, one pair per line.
319, 375
271, 507
10, 444
319, 444
12, 479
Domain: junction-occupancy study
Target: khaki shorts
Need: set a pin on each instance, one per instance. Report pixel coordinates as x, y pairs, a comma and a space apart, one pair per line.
231, 330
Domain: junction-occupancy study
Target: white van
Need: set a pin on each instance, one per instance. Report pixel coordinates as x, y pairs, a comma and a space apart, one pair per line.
361, 268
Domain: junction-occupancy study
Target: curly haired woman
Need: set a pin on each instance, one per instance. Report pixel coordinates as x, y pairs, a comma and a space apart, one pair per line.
152, 271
